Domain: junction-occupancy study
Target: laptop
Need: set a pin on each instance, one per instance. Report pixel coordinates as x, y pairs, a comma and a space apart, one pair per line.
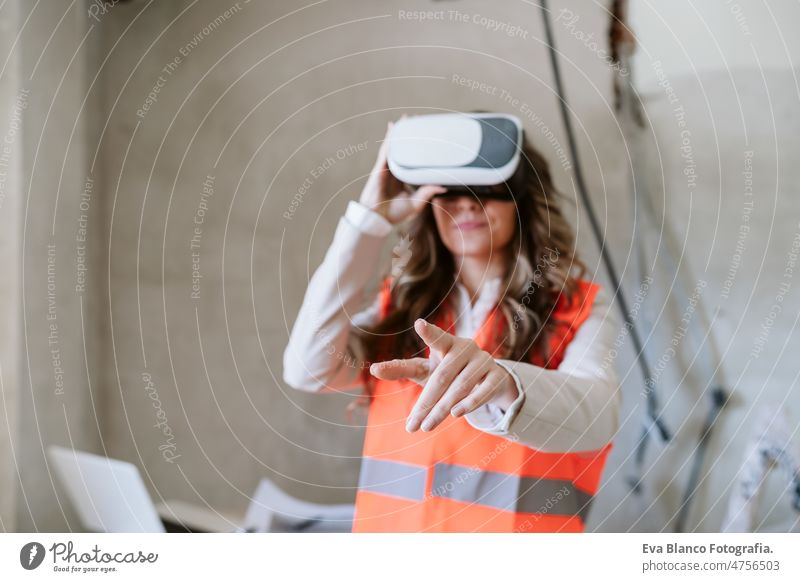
110, 496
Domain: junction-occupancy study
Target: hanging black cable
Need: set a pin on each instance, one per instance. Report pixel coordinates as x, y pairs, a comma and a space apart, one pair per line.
652, 400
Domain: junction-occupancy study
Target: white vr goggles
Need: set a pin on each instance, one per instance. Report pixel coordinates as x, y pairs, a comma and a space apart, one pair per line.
463, 150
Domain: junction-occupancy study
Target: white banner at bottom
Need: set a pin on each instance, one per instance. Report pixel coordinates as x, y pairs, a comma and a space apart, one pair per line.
399, 557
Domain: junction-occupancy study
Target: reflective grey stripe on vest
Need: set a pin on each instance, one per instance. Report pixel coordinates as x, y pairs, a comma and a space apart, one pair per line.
503, 491
392, 478
510, 492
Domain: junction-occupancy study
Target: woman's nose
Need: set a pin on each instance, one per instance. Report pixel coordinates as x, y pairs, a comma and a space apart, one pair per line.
467, 202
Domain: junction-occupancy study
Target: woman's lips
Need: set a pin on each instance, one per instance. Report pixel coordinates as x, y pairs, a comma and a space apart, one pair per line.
470, 224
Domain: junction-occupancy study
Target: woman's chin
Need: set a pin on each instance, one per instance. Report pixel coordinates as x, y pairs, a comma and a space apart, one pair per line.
472, 248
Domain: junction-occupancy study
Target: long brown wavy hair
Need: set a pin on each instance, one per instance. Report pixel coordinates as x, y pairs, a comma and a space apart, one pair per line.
542, 265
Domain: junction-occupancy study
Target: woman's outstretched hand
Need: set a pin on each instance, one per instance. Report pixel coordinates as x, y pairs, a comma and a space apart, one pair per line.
388, 196
457, 378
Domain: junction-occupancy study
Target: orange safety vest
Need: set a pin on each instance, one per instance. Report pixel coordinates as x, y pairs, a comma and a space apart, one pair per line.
457, 478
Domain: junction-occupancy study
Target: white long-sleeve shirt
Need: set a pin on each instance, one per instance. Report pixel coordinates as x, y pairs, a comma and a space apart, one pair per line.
572, 408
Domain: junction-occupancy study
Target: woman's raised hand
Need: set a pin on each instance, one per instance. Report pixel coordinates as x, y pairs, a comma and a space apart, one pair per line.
457, 378
388, 196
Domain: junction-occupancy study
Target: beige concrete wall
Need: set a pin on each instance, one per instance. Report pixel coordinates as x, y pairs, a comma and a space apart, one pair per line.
60, 343
258, 103
700, 38
10, 162
720, 94
737, 232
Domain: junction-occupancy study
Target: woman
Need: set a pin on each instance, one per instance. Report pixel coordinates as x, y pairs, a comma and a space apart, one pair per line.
484, 358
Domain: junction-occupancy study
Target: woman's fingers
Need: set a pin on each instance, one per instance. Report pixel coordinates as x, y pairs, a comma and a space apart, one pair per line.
434, 336
439, 381
482, 393
463, 385
414, 369
457, 378
407, 202
423, 195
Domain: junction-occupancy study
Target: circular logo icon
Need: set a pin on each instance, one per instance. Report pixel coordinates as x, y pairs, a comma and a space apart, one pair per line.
31, 555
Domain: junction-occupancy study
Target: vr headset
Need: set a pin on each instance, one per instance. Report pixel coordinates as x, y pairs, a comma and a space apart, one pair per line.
474, 154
